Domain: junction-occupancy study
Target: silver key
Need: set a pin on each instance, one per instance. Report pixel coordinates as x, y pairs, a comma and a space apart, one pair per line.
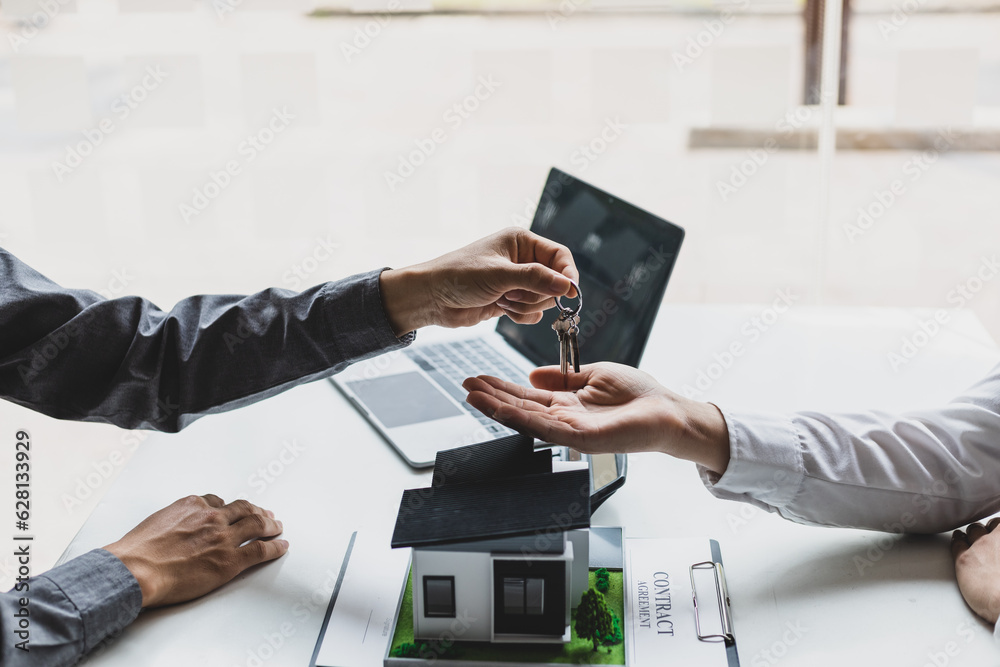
573, 344
566, 326
569, 351
561, 327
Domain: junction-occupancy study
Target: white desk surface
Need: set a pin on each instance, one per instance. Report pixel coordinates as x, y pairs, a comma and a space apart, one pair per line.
901, 610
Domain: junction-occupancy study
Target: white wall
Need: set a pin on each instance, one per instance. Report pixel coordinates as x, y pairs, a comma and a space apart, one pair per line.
473, 582
580, 577
473, 572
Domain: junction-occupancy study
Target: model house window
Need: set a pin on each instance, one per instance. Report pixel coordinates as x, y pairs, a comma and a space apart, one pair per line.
523, 596
439, 597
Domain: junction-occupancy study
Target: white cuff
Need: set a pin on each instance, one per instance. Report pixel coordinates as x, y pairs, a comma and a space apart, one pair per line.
765, 460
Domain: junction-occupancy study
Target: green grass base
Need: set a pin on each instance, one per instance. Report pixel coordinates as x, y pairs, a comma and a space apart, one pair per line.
576, 652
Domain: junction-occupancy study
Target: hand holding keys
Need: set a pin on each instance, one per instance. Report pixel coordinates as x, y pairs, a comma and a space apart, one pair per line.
566, 328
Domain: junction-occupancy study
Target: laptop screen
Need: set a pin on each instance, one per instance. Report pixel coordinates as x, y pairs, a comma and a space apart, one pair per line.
625, 256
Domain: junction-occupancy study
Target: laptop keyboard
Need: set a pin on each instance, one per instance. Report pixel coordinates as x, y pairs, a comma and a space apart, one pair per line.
449, 364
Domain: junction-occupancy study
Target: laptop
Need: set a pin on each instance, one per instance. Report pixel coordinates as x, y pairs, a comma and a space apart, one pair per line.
414, 397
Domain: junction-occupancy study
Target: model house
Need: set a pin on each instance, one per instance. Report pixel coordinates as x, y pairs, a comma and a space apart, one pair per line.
500, 545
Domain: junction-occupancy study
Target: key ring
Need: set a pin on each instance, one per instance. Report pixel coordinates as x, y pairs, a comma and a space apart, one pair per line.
579, 306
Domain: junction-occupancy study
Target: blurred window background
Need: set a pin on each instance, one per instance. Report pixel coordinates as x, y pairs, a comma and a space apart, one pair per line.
166, 147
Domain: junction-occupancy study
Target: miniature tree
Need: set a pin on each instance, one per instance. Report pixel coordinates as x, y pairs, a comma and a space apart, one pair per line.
615, 636
593, 618
603, 580
408, 650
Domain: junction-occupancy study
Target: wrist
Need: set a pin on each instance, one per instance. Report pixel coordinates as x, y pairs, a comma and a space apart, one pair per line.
144, 572
695, 431
406, 299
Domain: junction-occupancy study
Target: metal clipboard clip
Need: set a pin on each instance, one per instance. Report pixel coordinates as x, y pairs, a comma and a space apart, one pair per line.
725, 613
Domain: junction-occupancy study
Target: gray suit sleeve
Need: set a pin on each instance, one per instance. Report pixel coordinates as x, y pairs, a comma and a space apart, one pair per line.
73, 354
58, 617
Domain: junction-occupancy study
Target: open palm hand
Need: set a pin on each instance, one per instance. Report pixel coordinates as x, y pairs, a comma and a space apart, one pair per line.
606, 409
603, 408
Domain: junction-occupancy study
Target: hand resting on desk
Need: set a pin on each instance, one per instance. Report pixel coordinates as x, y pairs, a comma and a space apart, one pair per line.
977, 567
193, 546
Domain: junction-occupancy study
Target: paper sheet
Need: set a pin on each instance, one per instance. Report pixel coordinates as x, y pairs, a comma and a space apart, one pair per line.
661, 626
361, 624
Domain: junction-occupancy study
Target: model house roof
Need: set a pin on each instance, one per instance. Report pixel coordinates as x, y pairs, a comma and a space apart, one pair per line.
512, 456
482, 492
506, 507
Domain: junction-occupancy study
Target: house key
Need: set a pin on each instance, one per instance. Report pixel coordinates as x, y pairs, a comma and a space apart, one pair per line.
566, 327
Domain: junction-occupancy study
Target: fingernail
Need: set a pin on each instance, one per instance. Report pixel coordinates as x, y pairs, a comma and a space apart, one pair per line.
269, 513
503, 302
283, 543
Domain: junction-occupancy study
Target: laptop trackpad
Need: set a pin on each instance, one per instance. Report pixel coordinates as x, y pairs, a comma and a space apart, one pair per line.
402, 399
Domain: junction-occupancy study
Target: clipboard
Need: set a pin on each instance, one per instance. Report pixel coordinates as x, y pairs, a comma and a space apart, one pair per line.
727, 634
679, 603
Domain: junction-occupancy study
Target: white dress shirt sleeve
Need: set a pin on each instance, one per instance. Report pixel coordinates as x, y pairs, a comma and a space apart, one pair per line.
924, 471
